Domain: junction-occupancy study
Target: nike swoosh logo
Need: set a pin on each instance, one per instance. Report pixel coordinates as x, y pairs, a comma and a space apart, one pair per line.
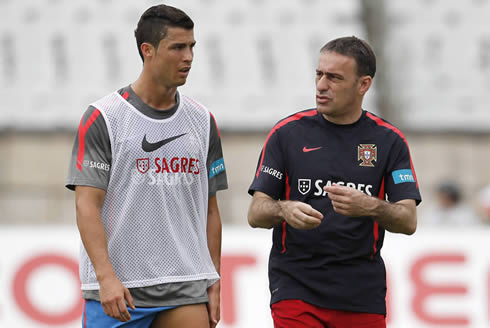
306, 150
152, 146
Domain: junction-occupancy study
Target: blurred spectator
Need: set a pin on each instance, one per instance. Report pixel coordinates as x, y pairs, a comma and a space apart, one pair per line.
484, 204
449, 208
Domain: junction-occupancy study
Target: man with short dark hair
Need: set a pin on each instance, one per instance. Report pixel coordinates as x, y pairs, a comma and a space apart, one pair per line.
330, 181
146, 165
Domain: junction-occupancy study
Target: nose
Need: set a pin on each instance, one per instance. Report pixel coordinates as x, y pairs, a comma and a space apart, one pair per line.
188, 54
322, 83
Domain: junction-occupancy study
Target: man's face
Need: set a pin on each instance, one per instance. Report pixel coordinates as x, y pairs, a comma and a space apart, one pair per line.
172, 60
337, 87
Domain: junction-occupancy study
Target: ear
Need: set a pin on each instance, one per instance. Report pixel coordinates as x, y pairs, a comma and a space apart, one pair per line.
364, 84
147, 50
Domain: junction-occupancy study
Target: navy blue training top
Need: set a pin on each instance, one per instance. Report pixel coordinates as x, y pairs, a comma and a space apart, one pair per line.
338, 264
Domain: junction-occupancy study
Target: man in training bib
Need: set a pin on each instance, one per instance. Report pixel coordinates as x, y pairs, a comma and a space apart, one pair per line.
146, 165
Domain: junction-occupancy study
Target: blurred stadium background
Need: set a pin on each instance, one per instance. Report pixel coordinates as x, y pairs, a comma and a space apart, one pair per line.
254, 64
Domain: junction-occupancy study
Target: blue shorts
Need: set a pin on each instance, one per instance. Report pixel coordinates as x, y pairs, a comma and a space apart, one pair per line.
95, 317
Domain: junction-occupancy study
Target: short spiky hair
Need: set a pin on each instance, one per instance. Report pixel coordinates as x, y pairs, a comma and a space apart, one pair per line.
356, 48
155, 21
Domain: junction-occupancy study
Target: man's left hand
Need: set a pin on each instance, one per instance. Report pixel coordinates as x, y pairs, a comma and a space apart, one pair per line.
214, 304
350, 202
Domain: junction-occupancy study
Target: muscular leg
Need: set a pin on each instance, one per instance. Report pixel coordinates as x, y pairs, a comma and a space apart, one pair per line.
194, 315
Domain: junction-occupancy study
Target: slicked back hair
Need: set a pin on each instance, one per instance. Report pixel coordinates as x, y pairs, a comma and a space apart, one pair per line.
154, 23
356, 48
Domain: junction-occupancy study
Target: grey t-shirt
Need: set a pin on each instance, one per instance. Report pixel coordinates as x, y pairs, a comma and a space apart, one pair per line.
92, 150
96, 157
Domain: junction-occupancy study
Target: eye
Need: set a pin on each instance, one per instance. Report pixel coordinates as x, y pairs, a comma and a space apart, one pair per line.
178, 46
334, 77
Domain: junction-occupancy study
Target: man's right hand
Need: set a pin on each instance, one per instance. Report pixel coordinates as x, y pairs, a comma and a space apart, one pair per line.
113, 297
300, 215
265, 212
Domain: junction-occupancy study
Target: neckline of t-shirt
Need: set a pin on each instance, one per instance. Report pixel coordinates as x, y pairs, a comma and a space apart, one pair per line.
343, 126
143, 108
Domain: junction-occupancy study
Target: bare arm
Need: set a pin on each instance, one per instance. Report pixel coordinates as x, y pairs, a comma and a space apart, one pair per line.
395, 217
89, 202
266, 212
214, 246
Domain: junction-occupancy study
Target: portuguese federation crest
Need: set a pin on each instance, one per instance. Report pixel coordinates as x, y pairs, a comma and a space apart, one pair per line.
367, 153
